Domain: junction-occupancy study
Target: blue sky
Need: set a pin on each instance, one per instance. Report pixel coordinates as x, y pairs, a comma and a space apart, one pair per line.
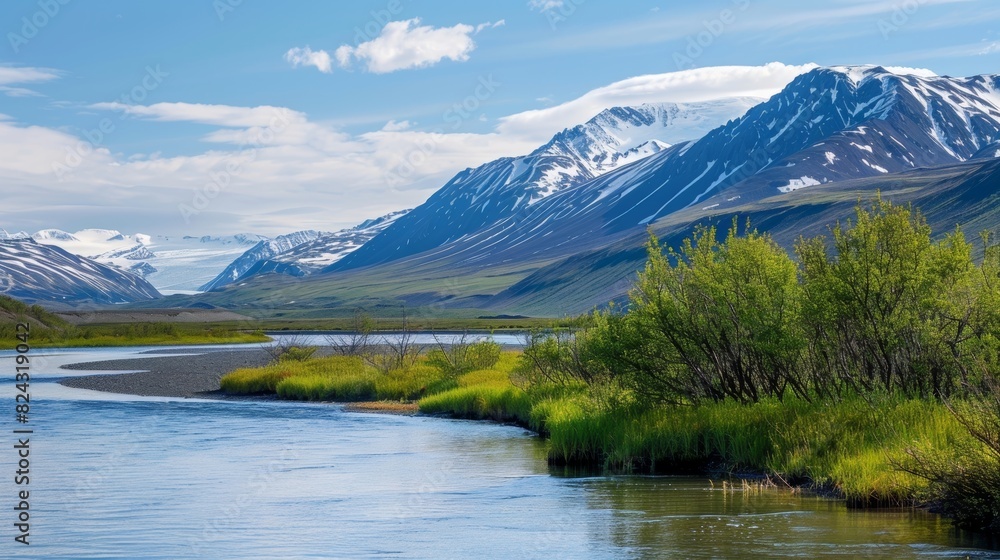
285, 116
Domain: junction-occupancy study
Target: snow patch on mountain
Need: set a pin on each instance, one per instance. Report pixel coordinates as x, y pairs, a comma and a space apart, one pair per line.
800, 183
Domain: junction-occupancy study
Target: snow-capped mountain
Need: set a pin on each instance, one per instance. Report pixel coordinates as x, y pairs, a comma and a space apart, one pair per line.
44, 273
137, 252
261, 251
5, 235
305, 257
171, 263
479, 197
830, 124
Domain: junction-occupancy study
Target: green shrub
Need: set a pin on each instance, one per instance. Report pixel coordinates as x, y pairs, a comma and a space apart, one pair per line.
461, 356
297, 353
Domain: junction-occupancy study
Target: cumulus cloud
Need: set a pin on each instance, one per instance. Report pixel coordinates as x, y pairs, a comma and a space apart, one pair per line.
407, 44
307, 57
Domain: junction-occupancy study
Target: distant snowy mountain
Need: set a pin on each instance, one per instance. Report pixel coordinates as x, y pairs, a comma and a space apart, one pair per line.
261, 251
35, 272
300, 258
509, 186
54, 235
171, 263
4, 235
137, 252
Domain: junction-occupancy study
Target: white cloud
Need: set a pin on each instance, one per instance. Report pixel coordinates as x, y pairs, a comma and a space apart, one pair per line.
220, 115
490, 25
307, 57
700, 84
407, 44
283, 171
545, 5
922, 72
990, 48
19, 92
394, 126
23, 75
13, 76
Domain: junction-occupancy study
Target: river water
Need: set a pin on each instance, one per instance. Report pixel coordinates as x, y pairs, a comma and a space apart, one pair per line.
128, 477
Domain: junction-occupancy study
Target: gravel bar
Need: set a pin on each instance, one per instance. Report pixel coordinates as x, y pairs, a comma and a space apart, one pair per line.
170, 376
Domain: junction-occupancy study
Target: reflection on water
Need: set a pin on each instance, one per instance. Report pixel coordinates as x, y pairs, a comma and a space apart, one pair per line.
686, 516
131, 478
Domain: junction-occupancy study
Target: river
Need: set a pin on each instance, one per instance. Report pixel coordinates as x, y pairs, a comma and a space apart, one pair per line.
115, 476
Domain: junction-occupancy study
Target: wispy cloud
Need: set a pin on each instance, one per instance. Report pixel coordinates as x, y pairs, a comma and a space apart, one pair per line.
807, 16
700, 84
220, 115
543, 5
12, 77
758, 22
979, 48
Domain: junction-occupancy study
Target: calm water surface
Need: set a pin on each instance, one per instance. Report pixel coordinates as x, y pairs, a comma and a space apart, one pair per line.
129, 477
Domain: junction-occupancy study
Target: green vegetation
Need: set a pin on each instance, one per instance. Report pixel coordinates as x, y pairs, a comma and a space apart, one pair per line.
867, 366
850, 446
48, 329
335, 378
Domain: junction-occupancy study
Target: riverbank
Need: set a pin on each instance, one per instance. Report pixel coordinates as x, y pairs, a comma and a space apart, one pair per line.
852, 448
847, 449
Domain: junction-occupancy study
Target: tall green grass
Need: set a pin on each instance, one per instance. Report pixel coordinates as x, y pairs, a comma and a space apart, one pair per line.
851, 447
336, 378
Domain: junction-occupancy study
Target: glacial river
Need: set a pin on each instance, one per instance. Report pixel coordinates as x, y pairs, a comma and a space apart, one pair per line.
128, 477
